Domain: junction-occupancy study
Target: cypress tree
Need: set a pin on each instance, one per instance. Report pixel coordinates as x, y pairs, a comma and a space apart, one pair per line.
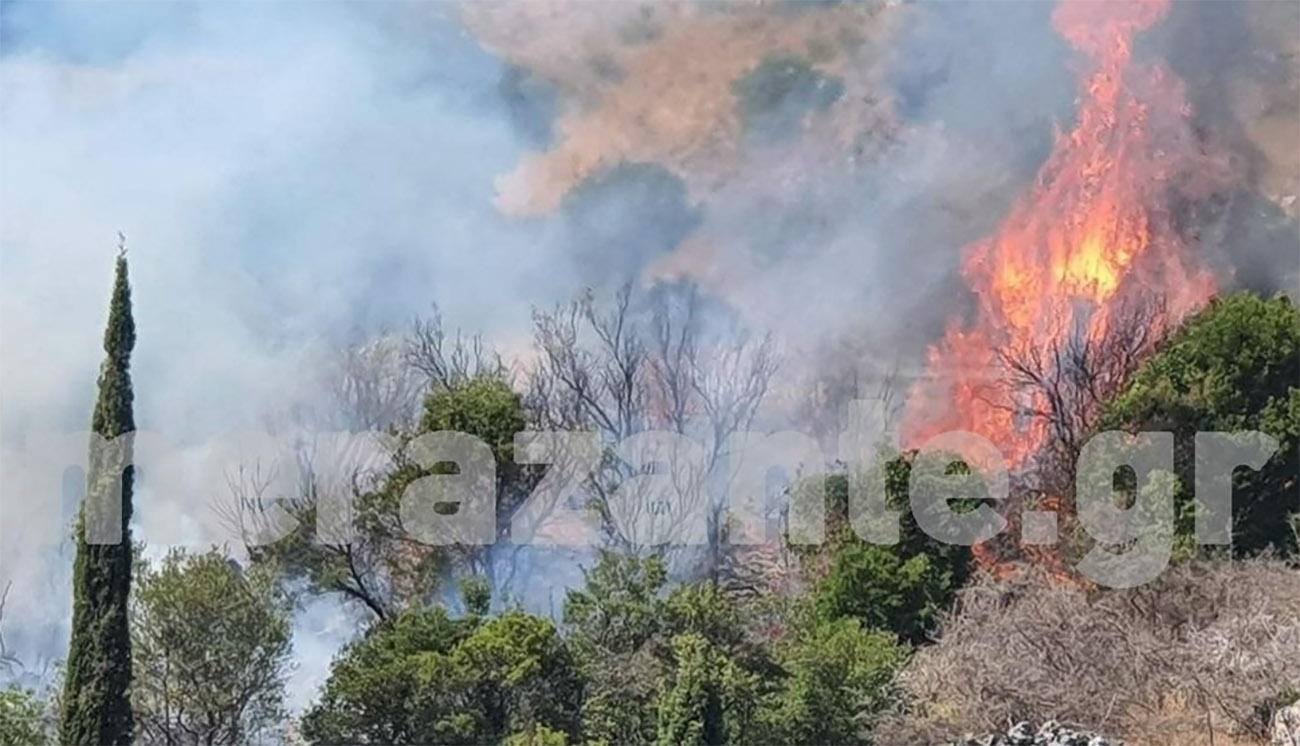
97, 680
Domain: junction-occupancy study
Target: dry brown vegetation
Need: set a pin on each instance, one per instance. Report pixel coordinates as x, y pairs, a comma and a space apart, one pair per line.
1199, 656
654, 83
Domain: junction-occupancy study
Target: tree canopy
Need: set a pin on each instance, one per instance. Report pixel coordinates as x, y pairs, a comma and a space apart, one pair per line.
1233, 367
212, 646
425, 677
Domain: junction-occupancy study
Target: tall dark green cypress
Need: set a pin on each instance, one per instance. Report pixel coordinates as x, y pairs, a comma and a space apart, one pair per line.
97, 680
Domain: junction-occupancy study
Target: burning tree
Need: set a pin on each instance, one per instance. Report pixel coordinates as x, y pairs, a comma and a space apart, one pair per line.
1089, 270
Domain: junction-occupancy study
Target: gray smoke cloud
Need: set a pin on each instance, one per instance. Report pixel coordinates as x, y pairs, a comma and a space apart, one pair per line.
288, 175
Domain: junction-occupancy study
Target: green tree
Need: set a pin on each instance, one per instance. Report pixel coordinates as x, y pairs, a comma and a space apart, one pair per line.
839, 677
645, 651
886, 589
620, 702
1233, 367
383, 567
708, 699
96, 697
373, 694
517, 674
424, 677
621, 625
540, 735
483, 407
901, 588
620, 607
626, 605
813, 681
23, 718
212, 650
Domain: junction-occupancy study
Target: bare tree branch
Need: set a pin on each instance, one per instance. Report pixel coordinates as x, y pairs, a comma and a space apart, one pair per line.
445, 363
646, 362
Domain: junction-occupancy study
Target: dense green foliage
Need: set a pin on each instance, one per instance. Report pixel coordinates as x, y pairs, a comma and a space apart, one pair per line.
708, 699
886, 590
483, 407
839, 679
23, 718
694, 665
424, 677
1233, 367
635, 663
643, 648
212, 650
900, 588
97, 682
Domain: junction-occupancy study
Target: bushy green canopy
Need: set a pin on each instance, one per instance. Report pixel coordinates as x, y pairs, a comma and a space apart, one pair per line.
212, 647
1233, 367
424, 677
23, 718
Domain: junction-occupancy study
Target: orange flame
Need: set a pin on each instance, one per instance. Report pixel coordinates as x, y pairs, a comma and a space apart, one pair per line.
1095, 228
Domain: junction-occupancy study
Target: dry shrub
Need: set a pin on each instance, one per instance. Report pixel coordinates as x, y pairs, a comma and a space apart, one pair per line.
1198, 656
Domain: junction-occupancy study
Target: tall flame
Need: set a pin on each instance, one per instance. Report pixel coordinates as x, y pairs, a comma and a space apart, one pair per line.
1096, 228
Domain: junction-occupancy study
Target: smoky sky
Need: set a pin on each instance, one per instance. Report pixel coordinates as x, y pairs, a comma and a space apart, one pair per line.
287, 175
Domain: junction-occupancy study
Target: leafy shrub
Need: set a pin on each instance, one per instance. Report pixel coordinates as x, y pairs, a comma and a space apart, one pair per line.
1233, 367
839, 678
423, 677
901, 588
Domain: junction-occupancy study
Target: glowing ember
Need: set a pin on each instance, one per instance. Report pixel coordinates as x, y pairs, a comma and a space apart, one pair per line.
1095, 229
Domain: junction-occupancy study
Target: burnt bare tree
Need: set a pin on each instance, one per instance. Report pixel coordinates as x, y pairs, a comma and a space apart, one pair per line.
443, 361
844, 371
659, 361
1057, 394
1064, 387
364, 386
380, 383
373, 387
325, 514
